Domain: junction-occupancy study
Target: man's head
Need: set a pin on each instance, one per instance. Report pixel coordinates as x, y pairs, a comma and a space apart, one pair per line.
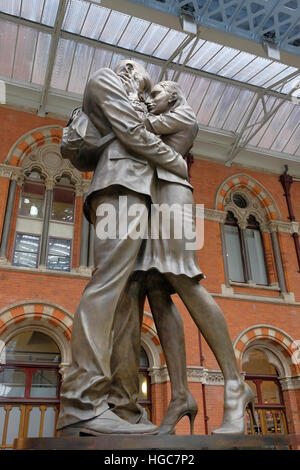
165, 96
131, 69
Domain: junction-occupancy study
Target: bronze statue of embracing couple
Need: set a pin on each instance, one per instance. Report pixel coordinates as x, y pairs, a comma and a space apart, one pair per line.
141, 167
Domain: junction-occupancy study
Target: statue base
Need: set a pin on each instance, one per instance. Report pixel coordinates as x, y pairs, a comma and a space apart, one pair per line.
164, 442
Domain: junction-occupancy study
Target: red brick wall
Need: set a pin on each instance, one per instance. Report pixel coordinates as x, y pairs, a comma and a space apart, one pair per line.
14, 124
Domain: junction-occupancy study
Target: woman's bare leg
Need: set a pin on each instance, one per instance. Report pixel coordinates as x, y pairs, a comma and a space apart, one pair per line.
170, 330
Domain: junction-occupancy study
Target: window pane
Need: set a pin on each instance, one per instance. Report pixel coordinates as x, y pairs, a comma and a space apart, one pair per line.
27, 260
143, 391
44, 384
32, 346
32, 200
270, 392
253, 387
233, 253
59, 252
144, 361
12, 383
26, 250
63, 205
256, 255
257, 363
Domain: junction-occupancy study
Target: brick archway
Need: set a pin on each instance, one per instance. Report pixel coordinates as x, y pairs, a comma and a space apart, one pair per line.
33, 139
289, 348
41, 313
254, 188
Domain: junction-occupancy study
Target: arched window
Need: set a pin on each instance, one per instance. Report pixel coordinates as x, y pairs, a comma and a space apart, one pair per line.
29, 225
61, 226
256, 254
29, 387
145, 385
45, 224
234, 253
245, 259
262, 377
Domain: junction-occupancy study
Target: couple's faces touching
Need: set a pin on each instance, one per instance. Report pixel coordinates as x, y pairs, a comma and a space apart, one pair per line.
159, 100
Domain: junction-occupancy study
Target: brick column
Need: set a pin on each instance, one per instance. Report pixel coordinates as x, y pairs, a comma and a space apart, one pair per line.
270, 262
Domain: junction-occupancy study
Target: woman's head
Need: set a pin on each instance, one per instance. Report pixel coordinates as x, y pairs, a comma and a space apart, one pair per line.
165, 96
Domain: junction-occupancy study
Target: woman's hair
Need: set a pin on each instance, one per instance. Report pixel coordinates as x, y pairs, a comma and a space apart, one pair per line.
174, 88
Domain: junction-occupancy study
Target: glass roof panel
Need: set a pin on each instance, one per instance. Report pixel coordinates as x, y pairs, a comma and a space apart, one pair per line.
8, 36
293, 144
236, 64
238, 110
62, 64
197, 92
154, 71
289, 85
12, 7
32, 9
133, 33
75, 15
195, 44
256, 66
266, 136
41, 58
102, 58
211, 99
114, 27
50, 11
204, 54
24, 55
81, 67
169, 45
186, 81
288, 129
266, 74
220, 60
224, 106
280, 76
151, 39
94, 21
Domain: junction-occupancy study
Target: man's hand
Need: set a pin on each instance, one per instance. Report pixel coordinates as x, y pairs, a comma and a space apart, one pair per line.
131, 86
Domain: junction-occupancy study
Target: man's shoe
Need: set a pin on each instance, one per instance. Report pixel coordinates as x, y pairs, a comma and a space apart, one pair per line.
107, 423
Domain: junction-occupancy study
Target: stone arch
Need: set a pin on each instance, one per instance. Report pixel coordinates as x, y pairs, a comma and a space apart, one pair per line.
32, 140
42, 316
39, 150
276, 340
263, 205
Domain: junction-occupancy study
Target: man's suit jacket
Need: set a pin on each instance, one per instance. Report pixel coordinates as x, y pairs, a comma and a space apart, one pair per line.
133, 157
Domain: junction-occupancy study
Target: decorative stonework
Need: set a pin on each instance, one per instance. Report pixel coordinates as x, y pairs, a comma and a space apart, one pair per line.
41, 312
215, 215
285, 227
281, 341
195, 374
290, 383
260, 202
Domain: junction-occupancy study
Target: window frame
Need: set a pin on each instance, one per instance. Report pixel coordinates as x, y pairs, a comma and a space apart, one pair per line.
244, 253
68, 188
27, 179
38, 252
71, 254
29, 370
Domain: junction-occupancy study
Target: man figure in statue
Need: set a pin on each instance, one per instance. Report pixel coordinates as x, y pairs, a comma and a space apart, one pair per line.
125, 168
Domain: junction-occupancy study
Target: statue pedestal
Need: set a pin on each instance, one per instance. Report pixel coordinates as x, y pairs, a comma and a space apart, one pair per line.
161, 443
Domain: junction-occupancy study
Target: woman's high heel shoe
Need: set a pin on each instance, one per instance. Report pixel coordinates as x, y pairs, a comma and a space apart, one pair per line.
176, 412
235, 404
